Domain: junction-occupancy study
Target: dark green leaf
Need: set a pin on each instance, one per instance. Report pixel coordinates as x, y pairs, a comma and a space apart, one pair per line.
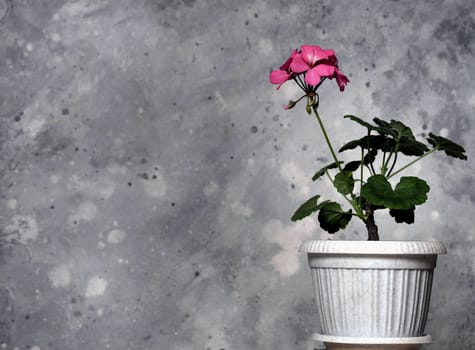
403, 215
408, 192
365, 203
401, 129
449, 147
352, 166
322, 171
377, 190
361, 122
332, 217
410, 189
412, 147
381, 142
383, 127
344, 182
310, 206
370, 157
395, 128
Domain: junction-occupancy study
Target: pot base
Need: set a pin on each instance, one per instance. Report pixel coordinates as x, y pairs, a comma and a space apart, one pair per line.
371, 343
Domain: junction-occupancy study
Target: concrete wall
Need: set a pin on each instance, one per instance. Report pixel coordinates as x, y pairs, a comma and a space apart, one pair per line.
151, 170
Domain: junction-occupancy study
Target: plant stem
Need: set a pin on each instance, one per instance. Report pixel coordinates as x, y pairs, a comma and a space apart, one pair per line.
325, 135
392, 166
414, 161
371, 169
370, 224
361, 175
353, 203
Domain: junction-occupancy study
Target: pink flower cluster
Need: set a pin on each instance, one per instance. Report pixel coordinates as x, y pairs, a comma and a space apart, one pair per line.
314, 63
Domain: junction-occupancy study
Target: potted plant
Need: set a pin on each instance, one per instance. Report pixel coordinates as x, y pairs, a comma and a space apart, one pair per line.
370, 294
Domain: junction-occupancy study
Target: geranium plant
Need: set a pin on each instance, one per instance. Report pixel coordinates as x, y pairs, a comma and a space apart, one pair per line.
363, 183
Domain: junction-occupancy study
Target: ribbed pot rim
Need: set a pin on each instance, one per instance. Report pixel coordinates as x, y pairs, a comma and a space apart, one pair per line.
372, 247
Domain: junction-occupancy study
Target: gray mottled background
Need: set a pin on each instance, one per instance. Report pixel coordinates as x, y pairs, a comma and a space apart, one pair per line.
151, 170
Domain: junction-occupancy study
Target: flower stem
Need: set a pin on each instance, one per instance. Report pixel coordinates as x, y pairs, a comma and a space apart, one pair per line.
414, 161
325, 135
360, 202
393, 165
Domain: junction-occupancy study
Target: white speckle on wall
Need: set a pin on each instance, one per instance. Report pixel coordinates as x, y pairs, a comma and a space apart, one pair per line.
265, 46
156, 188
117, 169
23, 228
60, 276
438, 68
116, 236
101, 189
434, 215
444, 132
86, 211
221, 100
239, 208
55, 37
471, 100
210, 189
288, 238
12, 203
293, 174
54, 179
33, 125
96, 287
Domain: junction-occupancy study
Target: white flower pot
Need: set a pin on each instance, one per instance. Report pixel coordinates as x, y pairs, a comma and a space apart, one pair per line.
374, 291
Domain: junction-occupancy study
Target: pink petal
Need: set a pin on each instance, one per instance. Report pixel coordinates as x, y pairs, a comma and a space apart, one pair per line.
298, 64
278, 76
325, 70
287, 63
332, 60
311, 54
341, 79
312, 77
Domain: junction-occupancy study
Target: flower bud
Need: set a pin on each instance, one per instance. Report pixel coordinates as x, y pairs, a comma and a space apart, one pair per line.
290, 105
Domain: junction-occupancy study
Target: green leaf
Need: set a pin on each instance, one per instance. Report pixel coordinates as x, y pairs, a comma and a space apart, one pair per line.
412, 147
395, 128
410, 189
361, 122
322, 171
352, 166
377, 190
370, 157
381, 142
403, 215
310, 206
344, 182
332, 217
449, 147
408, 192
